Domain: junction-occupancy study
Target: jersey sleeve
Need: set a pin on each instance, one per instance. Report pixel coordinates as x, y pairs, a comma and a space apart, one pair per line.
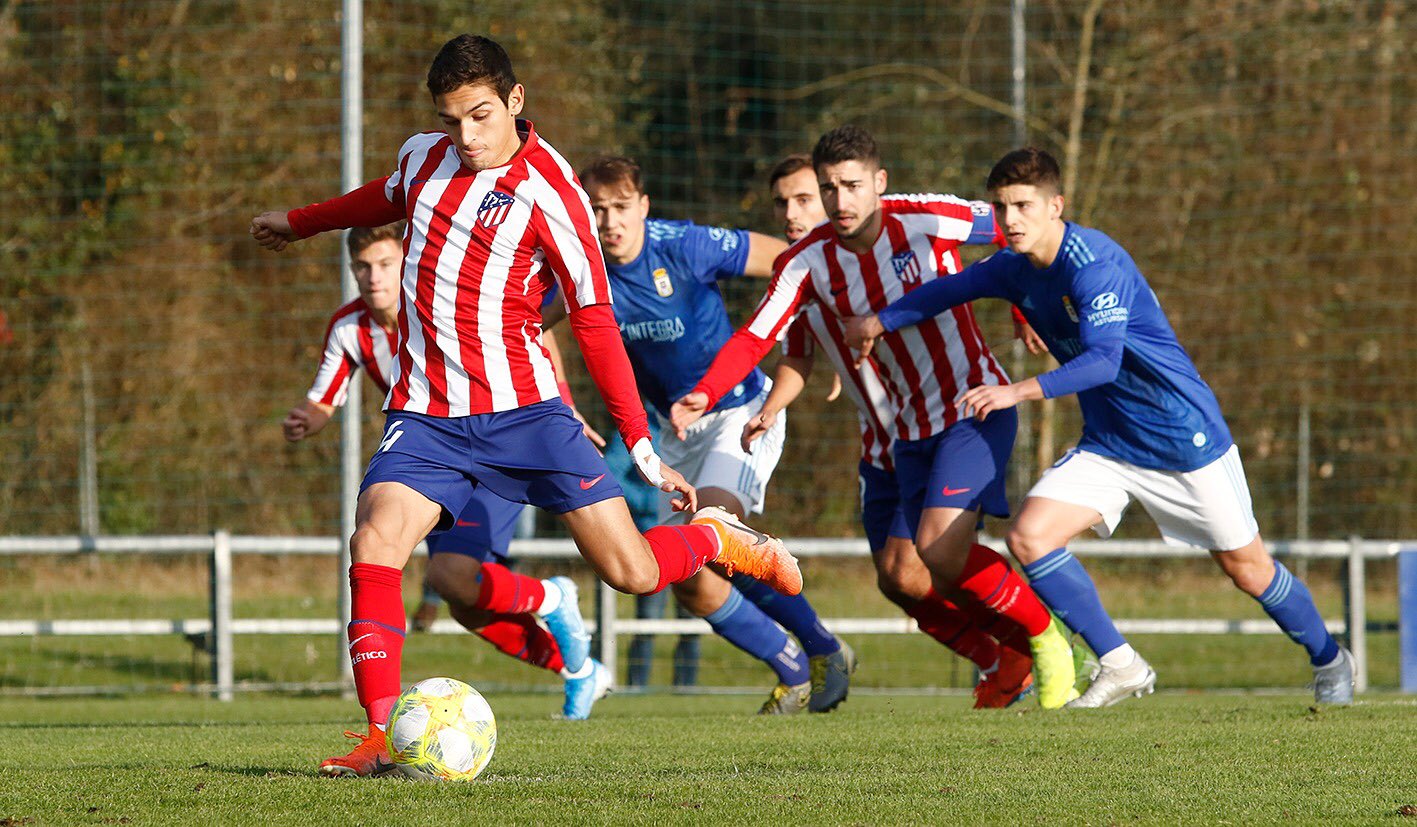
715, 253
799, 343
982, 279
367, 206
945, 216
1103, 295
338, 364
745, 348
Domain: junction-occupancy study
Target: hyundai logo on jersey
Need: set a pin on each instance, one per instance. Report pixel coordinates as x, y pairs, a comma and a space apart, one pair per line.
495, 208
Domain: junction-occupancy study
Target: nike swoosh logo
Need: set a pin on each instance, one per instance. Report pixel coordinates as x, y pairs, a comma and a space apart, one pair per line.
586, 485
361, 637
950, 492
468, 524
416, 181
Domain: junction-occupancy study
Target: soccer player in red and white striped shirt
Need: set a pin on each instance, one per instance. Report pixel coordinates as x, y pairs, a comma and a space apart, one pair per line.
900, 574
363, 333
951, 469
494, 216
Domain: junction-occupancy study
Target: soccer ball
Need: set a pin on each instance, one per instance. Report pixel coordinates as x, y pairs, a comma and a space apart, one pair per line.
441, 729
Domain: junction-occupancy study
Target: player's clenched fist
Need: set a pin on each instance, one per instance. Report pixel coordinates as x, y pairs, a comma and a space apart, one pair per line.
272, 230
861, 335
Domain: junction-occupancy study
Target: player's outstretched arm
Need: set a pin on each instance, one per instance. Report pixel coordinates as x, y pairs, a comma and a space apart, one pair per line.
371, 205
763, 250
305, 420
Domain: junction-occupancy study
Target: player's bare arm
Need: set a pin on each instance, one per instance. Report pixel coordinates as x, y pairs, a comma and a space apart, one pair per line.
558, 365
762, 251
305, 420
788, 380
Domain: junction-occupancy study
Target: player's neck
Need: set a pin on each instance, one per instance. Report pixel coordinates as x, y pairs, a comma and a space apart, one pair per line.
387, 318
1045, 252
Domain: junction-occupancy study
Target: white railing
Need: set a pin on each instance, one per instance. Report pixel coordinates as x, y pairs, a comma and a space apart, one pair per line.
221, 627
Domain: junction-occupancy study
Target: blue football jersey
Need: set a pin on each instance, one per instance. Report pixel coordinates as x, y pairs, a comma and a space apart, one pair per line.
1142, 400
671, 312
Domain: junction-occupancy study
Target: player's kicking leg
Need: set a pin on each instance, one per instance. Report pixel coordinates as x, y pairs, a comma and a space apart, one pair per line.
1039, 538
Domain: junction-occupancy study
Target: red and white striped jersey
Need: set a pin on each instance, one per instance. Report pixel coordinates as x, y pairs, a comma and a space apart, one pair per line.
874, 411
923, 368
353, 340
476, 256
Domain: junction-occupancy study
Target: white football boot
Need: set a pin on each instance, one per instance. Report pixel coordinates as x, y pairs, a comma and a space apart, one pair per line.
1115, 684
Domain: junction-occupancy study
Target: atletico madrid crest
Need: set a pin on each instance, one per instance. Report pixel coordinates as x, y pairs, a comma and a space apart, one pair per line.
907, 266
495, 208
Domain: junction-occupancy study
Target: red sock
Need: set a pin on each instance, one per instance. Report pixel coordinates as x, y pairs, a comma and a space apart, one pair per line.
376, 637
520, 636
506, 592
990, 579
945, 622
681, 550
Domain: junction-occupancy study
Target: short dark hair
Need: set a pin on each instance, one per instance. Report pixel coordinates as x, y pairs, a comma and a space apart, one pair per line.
846, 143
469, 60
361, 238
613, 169
791, 165
1029, 165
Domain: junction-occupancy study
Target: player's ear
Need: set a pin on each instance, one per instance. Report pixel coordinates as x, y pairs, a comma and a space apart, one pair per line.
1055, 206
516, 99
881, 179
644, 206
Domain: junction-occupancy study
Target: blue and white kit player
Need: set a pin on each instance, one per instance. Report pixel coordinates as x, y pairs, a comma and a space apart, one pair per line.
672, 319
1152, 428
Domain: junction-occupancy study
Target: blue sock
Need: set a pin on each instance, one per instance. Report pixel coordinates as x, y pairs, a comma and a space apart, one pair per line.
744, 625
1288, 601
1063, 584
794, 613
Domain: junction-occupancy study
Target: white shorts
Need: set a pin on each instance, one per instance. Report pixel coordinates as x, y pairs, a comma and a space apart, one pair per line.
711, 455
1207, 508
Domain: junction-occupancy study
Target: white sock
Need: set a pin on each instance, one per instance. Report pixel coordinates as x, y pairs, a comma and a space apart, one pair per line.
586, 669
1119, 658
552, 601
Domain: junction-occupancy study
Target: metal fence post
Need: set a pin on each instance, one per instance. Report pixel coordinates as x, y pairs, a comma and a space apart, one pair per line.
1407, 618
223, 672
605, 625
1358, 613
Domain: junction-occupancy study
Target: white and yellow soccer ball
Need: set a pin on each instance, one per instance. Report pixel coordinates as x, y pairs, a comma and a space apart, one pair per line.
441, 729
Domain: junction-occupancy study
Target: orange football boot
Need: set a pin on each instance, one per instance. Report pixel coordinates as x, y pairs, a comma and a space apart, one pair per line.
1008, 683
752, 552
371, 757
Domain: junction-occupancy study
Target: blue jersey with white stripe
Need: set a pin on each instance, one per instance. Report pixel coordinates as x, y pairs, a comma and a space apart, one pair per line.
671, 312
1142, 400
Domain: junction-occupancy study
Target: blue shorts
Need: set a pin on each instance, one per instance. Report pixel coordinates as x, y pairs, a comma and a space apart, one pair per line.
965, 466
881, 513
483, 530
537, 455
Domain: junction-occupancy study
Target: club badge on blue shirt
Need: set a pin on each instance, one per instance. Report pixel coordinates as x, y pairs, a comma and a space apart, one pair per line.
662, 283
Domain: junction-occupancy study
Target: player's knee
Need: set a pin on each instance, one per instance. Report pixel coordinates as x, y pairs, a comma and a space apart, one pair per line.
1027, 543
369, 545
629, 576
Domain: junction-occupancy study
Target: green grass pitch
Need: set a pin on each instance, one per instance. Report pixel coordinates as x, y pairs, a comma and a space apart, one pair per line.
671, 759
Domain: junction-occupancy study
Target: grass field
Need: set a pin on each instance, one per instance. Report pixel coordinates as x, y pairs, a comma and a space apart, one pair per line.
1172, 758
